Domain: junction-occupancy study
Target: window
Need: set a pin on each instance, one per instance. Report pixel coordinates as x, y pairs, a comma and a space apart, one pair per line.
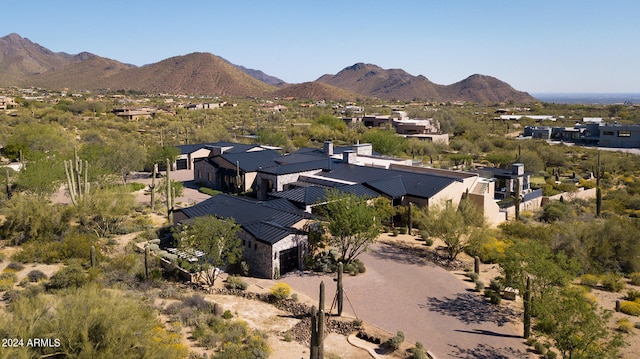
255, 246
607, 133
624, 133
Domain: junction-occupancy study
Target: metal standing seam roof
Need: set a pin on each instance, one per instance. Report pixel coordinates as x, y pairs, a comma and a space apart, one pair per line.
251, 161
423, 185
243, 210
267, 221
313, 194
268, 232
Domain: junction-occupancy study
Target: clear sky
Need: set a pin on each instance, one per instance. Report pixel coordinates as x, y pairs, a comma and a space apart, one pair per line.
534, 45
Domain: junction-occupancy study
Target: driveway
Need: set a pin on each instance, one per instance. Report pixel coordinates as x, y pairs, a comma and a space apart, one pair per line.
401, 291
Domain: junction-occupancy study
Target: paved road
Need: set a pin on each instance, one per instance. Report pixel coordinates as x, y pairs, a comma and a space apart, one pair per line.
400, 291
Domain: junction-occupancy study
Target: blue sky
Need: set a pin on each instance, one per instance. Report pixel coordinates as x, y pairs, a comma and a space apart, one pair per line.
535, 46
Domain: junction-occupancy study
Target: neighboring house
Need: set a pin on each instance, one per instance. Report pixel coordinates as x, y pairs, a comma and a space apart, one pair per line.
135, 114
233, 172
190, 153
272, 237
504, 183
591, 132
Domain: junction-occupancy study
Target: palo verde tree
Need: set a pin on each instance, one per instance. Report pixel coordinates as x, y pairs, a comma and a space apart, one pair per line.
216, 238
577, 327
459, 228
352, 223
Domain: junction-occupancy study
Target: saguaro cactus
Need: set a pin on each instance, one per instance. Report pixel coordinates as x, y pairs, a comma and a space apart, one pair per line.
599, 173
77, 178
169, 195
147, 259
527, 309
317, 328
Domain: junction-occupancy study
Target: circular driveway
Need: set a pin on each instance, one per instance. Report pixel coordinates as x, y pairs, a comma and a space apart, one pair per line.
401, 291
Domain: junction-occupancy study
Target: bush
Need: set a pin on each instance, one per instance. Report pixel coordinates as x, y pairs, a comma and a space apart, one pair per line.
635, 278
624, 325
540, 348
590, 280
68, 277
280, 291
403, 230
227, 314
428, 242
612, 282
14, 267
235, 282
630, 308
395, 342
419, 352
494, 297
36, 275
496, 285
632, 295
479, 286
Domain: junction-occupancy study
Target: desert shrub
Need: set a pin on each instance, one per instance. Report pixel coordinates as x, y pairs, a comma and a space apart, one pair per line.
72, 276
395, 233
632, 295
209, 191
235, 282
395, 342
479, 286
540, 348
6, 283
624, 325
403, 230
496, 285
494, 297
280, 291
227, 314
634, 278
631, 308
590, 280
612, 282
198, 302
36, 275
14, 267
428, 242
418, 352
355, 267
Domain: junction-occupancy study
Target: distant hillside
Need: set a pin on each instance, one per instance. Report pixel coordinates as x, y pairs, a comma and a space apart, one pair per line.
395, 84
315, 91
24, 63
20, 58
196, 73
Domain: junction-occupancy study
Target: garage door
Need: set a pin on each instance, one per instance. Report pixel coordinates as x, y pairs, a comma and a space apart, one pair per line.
288, 260
182, 164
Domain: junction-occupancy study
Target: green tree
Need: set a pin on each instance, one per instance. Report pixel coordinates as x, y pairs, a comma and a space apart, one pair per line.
459, 228
42, 176
387, 142
216, 238
576, 326
158, 155
353, 224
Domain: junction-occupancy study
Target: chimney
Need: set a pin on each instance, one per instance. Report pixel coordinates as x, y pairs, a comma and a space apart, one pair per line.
517, 169
349, 157
328, 148
363, 149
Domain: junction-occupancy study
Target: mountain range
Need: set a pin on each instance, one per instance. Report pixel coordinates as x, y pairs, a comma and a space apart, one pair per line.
25, 63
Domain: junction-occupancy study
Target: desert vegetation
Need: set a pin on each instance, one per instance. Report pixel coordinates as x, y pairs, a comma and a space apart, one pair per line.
566, 247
